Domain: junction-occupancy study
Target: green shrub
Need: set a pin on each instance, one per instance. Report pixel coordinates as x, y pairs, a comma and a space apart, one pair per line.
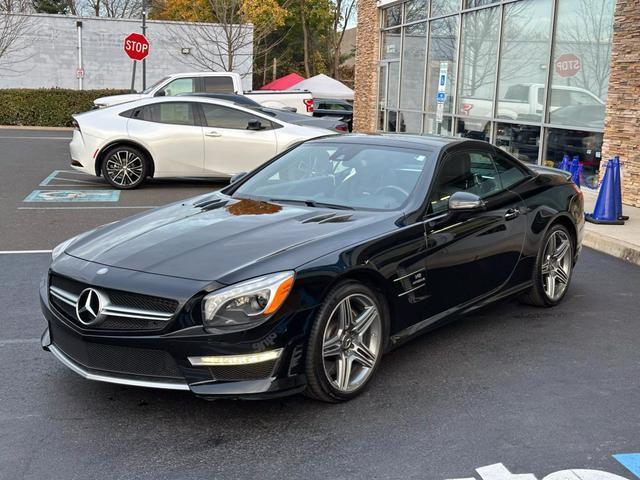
46, 107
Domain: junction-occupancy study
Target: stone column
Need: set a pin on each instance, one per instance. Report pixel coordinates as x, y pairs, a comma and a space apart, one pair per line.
622, 118
366, 75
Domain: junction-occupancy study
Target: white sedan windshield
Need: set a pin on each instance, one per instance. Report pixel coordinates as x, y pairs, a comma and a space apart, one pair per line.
340, 175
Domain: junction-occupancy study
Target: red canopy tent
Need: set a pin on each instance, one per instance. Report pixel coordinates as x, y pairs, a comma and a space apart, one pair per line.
283, 83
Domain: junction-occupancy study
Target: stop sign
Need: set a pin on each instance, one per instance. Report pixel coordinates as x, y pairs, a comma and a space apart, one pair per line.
567, 65
136, 46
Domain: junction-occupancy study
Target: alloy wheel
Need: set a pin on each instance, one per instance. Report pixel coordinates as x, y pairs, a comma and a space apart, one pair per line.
556, 266
124, 168
351, 342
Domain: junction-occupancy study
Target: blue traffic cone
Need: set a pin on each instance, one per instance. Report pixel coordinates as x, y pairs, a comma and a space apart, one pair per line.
564, 165
618, 182
573, 167
605, 211
577, 173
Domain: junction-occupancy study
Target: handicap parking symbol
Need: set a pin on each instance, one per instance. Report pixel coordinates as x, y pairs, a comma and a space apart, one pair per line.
440, 97
73, 196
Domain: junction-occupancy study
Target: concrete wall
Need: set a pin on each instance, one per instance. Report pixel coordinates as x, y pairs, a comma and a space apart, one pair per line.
52, 53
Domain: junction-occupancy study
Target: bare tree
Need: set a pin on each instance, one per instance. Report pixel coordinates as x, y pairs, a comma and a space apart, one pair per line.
588, 34
14, 26
345, 11
231, 42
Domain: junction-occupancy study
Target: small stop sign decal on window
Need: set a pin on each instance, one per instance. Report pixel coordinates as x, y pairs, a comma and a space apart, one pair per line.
568, 65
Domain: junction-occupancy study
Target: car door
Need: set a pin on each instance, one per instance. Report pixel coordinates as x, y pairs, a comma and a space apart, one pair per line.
470, 254
230, 145
170, 131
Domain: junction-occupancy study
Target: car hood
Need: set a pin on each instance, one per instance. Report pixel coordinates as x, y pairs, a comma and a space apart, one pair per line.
117, 99
214, 236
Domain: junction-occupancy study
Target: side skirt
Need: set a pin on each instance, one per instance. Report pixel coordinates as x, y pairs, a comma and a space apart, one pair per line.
445, 317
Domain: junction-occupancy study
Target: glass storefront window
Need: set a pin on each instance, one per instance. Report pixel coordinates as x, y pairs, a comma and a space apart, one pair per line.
392, 16
442, 53
391, 44
438, 128
478, 3
523, 60
422, 53
587, 146
413, 57
474, 128
476, 77
582, 51
416, 10
521, 141
444, 7
393, 82
410, 122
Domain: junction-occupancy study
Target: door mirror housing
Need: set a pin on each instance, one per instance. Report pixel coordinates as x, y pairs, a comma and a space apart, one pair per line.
254, 125
160, 93
466, 201
237, 176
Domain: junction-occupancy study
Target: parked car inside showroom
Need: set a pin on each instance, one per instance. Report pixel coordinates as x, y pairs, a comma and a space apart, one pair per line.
176, 137
300, 275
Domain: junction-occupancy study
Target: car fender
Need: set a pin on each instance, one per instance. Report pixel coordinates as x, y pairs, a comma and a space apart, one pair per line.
107, 144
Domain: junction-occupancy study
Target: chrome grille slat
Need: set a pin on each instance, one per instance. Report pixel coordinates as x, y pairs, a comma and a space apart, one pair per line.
117, 316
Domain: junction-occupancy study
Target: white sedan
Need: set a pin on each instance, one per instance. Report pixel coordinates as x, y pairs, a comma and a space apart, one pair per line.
178, 136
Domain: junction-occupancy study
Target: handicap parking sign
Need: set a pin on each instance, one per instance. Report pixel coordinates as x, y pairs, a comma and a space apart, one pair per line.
73, 196
440, 96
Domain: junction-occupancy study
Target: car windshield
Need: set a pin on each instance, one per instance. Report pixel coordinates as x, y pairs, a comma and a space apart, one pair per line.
149, 89
340, 175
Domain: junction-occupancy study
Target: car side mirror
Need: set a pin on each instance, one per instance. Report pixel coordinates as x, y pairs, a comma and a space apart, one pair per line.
160, 93
237, 176
254, 125
461, 201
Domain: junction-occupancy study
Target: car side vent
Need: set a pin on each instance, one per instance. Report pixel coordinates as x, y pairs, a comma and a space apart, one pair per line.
337, 219
327, 218
318, 218
211, 204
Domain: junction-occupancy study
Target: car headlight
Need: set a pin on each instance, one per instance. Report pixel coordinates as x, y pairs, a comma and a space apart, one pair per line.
61, 247
247, 303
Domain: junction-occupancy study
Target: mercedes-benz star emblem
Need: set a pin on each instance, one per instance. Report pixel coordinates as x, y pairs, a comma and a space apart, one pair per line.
89, 307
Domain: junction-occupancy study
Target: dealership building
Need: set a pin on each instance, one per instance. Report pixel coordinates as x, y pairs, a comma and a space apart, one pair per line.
537, 78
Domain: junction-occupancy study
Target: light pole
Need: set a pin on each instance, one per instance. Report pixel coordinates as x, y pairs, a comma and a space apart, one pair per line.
144, 32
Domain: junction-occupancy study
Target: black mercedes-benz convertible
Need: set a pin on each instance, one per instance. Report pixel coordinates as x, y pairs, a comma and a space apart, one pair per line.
300, 275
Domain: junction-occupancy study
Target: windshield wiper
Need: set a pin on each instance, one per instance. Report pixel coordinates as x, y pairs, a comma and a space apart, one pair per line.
313, 203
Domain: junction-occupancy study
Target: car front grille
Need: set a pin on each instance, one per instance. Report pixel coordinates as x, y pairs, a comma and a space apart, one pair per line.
124, 310
114, 358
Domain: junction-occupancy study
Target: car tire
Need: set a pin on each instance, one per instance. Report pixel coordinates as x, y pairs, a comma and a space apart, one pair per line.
346, 342
552, 270
125, 167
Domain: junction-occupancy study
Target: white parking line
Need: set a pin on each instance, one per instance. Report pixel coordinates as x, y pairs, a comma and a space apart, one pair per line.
36, 138
18, 341
87, 208
20, 252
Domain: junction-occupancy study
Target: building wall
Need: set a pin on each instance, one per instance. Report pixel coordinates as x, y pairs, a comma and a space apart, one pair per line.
366, 78
622, 121
50, 56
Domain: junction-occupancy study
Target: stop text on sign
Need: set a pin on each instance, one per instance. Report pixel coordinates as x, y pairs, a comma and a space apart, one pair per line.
568, 65
136, 46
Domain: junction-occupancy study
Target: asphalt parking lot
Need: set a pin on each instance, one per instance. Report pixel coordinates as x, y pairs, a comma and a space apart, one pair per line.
537, 391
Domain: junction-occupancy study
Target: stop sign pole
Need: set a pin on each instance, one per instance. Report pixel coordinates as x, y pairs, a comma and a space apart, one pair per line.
136, 47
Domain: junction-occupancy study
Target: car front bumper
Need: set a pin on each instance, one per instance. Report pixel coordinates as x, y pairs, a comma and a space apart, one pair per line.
121, 359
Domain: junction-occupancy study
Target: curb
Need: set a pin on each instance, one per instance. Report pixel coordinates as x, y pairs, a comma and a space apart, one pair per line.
611, 246
21, 127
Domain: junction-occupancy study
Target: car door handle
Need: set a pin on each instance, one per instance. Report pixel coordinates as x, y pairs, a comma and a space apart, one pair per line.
213, 133
512, 213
